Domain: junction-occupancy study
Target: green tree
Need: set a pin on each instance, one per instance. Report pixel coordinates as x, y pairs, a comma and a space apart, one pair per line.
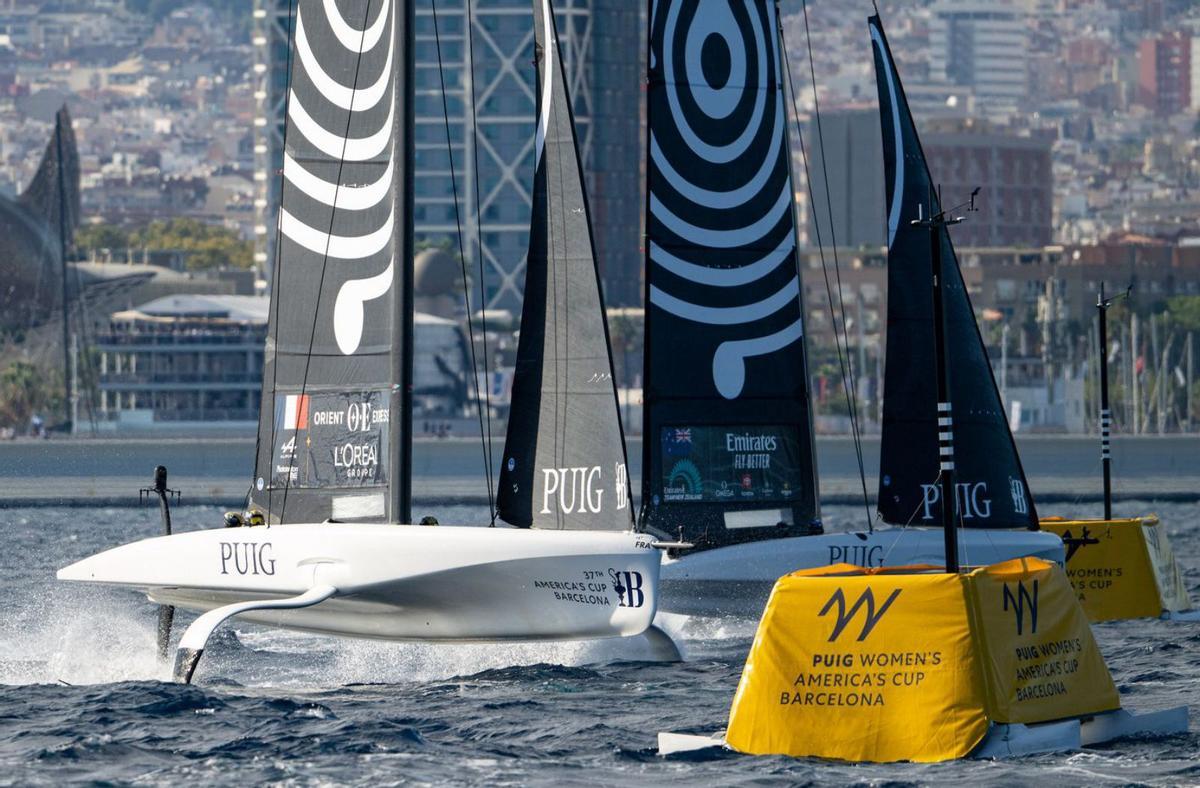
24, 390
1185, 312
101, 236
208, 245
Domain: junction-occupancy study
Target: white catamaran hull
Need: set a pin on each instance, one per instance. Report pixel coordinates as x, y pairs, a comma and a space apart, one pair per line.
401, 582
737, 579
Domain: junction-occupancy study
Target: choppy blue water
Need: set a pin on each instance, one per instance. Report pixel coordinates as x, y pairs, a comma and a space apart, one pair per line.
82, 698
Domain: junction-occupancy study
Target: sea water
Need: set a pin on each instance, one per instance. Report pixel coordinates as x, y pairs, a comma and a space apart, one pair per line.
83, 698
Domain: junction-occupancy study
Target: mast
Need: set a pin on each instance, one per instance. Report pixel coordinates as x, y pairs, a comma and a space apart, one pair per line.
1187, 414
74, 403
944, 412
945, 419
1004, 365
62, 249
400, 505
1135, 349
1105, 420
1102, 305
788, 91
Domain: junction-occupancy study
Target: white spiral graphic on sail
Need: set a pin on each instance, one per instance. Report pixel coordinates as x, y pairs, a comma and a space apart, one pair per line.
747, 212
336, 148
348, 312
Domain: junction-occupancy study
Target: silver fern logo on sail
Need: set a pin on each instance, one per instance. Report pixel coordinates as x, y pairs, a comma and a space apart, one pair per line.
729, 220
346, 201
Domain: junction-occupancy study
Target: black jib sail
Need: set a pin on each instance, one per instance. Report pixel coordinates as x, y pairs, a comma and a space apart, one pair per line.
990, 488
564, 456
54, 191
728, 454
333, 433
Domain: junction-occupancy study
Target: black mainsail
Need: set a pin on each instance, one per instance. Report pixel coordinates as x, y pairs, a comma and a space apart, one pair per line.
728, 452
991, 489
564, 455
334, 428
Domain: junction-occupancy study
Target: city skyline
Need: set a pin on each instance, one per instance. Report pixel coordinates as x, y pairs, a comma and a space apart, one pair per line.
198, 93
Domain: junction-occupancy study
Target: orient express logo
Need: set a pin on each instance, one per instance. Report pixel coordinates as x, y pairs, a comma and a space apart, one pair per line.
844, 617
628, 586
1023, 602
1074, 543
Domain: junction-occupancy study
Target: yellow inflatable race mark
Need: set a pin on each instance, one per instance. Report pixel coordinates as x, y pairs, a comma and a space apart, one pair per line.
1121, 568
912, 663
861, 667
1172, 593
1035, 644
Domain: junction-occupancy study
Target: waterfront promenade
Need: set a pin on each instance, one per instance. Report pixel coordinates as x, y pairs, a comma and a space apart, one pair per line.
210, 470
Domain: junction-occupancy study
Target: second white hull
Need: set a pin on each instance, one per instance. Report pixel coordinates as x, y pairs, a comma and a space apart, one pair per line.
736, 580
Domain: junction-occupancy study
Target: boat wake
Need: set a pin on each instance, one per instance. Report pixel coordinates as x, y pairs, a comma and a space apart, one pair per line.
86, 635
78, 635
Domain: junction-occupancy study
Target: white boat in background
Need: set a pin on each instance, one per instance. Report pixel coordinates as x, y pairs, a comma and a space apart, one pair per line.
728, 455
737, 580
333, 471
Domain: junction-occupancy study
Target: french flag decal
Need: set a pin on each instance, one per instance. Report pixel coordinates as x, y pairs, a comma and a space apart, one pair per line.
295, 412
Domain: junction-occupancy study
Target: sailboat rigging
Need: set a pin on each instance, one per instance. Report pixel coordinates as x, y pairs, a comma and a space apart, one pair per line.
483, 411
1102, 306
935, 223
333, 470
715, 85
728, 428
1135, 553
338, 367
978, 698
564, 461
991, 490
